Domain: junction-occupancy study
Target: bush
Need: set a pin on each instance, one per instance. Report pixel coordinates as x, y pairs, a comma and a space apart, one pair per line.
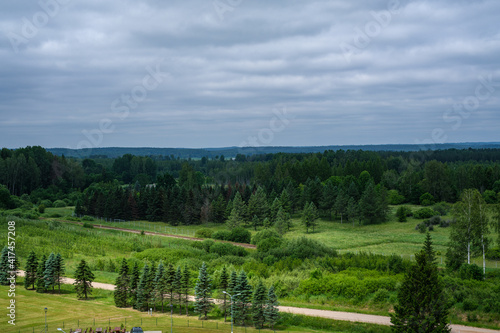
240, 235
204, 233
493, 254
381, 295
47, 203
424, 213
446, 224
441, 208
264, 234
226, 249
394, 198
302, 248
426, 199
88, 225
435, 220
490, 197
221, 235
59, 204
205, 245
421, 227
87, 218
470, 304
470, 272
402, 213
267, 244
41, 209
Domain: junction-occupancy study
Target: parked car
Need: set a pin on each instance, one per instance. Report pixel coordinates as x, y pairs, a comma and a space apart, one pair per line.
136, 330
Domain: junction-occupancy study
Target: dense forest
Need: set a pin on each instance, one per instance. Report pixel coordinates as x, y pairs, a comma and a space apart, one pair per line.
160, 188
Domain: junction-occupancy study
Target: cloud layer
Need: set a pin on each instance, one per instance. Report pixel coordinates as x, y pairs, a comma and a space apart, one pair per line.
215, 73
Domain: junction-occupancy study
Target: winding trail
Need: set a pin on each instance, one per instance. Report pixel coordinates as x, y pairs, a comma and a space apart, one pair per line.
336, 315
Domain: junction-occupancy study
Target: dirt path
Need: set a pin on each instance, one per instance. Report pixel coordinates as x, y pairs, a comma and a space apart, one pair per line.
151, 233
336, 315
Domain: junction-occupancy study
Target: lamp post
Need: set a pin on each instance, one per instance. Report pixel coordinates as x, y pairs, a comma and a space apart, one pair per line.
171, 319
231, 298
45, 330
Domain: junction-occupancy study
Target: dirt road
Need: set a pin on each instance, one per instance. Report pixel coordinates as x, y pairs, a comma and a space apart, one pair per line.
98, 226
336, 315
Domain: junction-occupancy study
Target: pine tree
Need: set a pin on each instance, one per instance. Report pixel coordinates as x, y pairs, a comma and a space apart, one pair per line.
186, 286
271, 313
341, 204
31, 268
285, 201
241, 298
59, 270
40, 282
49, 275
422, 306
83, 280
169, 282
158, 290
352, 210
234, 221
233, 280
142, 290
258, 305
135, 276
282, 220
122, 286
203, 292
239, 205
4, 267
150, 287
177, 286
223, 285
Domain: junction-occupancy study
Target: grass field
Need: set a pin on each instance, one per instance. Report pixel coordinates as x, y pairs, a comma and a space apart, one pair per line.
65, 311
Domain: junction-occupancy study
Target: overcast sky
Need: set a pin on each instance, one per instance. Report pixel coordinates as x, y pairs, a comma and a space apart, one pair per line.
134, 73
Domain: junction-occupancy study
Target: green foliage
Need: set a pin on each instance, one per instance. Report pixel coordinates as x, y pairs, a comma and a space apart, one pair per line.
259, 301
240, 235
30, 270
121, 293
394, 198
402, 213
373, 204
264, 234
222, 235
41, 208
225, 249
426, 199
59, 204
203, 292
422, 305
424, 213
472, 271
204, 233
88, 225
83, 280
302, 248
242, 297
271, 311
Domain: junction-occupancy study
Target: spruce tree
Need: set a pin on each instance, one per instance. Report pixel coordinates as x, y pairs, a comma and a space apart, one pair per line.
4, 267
170, 282
203, 292
234, 221
40, 282
59, 270
177, 286
258, 305
281, 224
49, 275
223, 285
159, 291
142, 290
271, 312
135, 276
186, 286
83, 280
31, 268
233, 280
122, 286
150, 287
422, 306
241, 298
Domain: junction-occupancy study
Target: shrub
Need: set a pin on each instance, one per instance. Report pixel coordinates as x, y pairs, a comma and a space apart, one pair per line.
470, 272
41, 209
267, 244
394, 198
424, 213
490, 197
47, 203
204, 233
381, 295
59, 204
87, 218
445, 223
302, 248
441, 208
435, 220
402, 213
88, 225
240, 235
421, 227
221, 235
263, 234
493, 254
426, 199
470, 304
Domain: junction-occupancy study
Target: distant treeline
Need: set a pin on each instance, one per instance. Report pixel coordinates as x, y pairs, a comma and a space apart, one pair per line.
32, 174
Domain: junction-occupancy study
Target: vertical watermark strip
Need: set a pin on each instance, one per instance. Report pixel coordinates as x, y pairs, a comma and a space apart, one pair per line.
11, 245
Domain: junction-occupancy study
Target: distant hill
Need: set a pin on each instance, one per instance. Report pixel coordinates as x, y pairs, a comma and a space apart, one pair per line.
230, 152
